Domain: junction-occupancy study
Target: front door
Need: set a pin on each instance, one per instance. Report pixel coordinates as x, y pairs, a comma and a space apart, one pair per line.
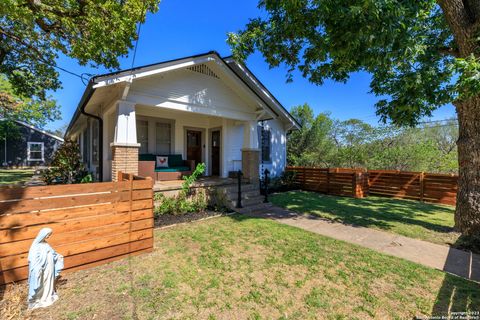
216, 153
194, 146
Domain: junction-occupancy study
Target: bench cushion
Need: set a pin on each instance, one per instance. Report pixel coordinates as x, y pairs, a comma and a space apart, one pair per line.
173, 169
175, 160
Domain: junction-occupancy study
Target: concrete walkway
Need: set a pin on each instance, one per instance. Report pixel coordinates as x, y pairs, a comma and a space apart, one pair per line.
454, 261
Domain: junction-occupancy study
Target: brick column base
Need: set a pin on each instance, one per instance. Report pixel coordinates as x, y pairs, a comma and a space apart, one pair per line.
251, 164
125, 159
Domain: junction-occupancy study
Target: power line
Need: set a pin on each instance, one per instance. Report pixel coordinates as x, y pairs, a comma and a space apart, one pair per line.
138, 34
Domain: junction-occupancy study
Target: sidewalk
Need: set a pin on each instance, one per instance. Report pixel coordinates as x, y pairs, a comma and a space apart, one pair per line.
458, 262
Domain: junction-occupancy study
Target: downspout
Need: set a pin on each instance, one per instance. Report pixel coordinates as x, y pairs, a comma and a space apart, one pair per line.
100, 136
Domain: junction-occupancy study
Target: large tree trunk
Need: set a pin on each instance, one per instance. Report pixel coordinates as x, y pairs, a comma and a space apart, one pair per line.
467, 215
463, 17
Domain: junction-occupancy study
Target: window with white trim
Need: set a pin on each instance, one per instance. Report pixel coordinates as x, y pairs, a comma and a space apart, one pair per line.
265, 145
142, 135
35, 151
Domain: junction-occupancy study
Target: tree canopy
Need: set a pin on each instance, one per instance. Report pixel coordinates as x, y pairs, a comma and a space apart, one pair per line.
33, 32
407, 47
32, 110
326, 142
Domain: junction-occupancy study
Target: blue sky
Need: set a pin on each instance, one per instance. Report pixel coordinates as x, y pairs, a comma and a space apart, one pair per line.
186, 27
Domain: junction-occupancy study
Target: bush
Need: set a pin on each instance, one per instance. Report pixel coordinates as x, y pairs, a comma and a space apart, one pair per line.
187, 200
66, 166
285, 182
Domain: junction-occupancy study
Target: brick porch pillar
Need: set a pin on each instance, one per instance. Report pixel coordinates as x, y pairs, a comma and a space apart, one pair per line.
251, 164
125, 159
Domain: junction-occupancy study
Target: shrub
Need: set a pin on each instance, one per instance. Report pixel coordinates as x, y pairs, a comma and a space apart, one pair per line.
66, 166
187, 200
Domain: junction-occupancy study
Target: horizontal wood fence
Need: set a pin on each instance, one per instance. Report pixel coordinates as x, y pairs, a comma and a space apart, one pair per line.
92, 223
358, 183
335, 181
428, 187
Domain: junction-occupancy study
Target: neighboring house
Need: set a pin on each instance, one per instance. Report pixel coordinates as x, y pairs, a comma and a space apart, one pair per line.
205, 108
27, 146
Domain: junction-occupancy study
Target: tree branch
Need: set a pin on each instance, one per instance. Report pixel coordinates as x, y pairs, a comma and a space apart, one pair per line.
460, 22
449, 51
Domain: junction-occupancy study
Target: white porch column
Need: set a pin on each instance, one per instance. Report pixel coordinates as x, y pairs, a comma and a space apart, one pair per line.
125, 146
250, 135
126, 128
250, 151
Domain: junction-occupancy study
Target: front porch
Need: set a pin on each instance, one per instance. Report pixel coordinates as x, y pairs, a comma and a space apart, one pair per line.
138, 132
203, 182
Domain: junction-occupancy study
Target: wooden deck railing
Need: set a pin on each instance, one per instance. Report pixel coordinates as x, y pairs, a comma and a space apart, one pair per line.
358, 183
92, 223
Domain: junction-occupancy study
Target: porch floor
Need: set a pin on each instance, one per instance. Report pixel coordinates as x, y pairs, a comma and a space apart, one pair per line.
201, 182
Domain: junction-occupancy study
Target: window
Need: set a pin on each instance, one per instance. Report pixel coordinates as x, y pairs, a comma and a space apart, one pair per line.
265, 142
142, 135
95, 146
86, 147
163, 135
35, 151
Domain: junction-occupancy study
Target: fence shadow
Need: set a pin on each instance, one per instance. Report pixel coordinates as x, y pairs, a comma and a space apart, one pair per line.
454, 296
380, 212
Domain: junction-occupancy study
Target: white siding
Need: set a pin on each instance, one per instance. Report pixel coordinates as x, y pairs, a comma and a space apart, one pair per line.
278, 148
190, 91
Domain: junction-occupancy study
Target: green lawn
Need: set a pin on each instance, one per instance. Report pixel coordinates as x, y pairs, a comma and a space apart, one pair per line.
246, 268
15, 176
412, 219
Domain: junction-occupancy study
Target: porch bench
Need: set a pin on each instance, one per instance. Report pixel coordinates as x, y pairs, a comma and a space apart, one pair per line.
177, 167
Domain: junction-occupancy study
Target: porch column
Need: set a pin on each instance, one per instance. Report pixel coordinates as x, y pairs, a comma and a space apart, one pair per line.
250, 152
125, 146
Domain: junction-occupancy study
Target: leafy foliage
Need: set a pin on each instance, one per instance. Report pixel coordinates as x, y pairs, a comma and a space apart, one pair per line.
32, 33
407, 46
66, 166
187, 200
32, 110
353, 144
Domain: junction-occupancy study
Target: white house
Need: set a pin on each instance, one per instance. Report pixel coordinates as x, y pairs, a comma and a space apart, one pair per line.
204, 108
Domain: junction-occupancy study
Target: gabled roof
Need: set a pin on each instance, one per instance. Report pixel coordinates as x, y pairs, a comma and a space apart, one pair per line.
36, 129
240, 71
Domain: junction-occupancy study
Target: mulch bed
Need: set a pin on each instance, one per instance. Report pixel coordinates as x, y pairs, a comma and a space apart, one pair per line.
170, 219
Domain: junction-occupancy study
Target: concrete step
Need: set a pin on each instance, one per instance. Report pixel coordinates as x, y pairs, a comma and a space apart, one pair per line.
253, 208
245, 187
248, 202
245, 195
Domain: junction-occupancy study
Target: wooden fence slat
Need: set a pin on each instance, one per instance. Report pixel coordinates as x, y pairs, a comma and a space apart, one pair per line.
92, 223
429, 187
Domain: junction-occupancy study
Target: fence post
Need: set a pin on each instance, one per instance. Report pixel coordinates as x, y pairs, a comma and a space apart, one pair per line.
328, 180
304, 182
355, 184
422, 185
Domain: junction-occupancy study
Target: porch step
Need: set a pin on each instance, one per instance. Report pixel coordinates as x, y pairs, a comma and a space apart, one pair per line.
247, 202
258, 208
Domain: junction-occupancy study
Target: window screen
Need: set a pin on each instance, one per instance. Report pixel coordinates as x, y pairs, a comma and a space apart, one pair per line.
163, 138
265, 145
142, 135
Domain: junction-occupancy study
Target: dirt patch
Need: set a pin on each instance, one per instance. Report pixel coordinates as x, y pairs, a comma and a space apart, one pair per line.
171, 219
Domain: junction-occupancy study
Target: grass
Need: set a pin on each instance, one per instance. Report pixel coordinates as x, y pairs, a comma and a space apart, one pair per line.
245, 268
15, 176
412, 219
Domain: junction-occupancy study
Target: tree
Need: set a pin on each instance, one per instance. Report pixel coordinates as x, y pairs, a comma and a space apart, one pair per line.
421, 55
311, 145
33, 32
32, 110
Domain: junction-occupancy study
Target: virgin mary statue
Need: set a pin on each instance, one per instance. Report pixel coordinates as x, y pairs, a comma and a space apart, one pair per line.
44, 266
